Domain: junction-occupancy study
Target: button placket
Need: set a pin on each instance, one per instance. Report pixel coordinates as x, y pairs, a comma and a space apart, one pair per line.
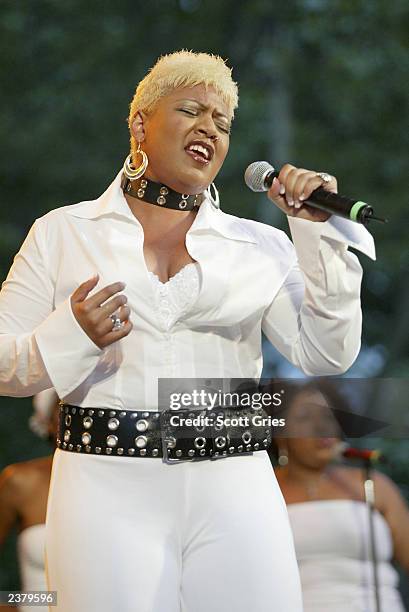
172, 300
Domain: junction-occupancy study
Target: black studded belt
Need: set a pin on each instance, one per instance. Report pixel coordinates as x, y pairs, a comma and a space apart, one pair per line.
173, 435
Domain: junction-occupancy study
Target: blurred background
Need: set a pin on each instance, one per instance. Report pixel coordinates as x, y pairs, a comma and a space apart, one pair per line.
322, 84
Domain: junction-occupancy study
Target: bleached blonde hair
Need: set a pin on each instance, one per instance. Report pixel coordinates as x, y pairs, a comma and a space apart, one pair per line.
182, 69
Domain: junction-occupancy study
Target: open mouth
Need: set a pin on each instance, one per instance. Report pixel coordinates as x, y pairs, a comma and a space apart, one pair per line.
200, 152
325, 442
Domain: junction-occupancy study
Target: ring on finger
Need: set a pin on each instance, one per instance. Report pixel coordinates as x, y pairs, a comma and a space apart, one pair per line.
327, 178
117, 323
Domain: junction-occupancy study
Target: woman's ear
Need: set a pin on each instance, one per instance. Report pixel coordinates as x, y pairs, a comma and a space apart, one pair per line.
138, 126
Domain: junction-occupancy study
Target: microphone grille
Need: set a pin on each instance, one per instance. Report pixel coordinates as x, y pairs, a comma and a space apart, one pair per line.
255, 175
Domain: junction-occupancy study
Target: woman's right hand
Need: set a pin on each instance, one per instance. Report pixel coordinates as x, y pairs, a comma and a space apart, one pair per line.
93, 313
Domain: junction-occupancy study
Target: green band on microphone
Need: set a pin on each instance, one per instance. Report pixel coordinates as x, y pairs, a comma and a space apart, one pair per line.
356, 208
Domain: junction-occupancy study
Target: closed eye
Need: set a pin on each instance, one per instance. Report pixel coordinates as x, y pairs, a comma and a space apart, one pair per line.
194, 114
188, 112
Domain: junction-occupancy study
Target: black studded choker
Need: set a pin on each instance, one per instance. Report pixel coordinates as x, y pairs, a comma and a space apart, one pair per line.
160, 195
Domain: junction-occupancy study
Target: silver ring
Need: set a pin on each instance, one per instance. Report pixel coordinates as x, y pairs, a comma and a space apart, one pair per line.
327, 178
117, 323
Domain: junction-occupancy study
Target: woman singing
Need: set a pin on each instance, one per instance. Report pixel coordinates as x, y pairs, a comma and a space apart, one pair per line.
152, 280
329, 515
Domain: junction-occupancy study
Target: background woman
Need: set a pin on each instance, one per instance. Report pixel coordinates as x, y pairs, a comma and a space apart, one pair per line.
23, 500
328, 514
125, 529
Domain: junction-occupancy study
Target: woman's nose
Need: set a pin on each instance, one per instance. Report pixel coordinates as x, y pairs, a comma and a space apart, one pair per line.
207, 128
208, 133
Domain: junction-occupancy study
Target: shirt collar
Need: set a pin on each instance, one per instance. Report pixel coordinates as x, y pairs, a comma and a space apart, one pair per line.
209, 218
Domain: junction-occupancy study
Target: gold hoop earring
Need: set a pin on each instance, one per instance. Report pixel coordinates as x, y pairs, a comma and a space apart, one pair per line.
129, 169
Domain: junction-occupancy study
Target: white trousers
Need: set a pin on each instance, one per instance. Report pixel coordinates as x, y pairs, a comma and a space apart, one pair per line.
138, 535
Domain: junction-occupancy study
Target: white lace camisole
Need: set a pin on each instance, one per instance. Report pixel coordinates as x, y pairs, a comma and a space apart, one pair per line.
174, 298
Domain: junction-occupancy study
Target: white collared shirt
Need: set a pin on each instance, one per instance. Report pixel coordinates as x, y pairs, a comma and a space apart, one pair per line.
304, 295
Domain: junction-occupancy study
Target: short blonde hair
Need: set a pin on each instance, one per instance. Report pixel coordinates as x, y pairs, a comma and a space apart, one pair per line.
183, 69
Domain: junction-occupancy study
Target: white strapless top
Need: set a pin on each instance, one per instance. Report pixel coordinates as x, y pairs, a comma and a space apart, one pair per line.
30, 552
331, 539
177, 295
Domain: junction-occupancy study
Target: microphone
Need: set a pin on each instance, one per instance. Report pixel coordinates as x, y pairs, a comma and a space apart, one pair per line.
259, 176
348, 452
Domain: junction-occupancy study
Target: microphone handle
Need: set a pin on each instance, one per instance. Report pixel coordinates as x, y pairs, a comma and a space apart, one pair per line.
340, 205
333, 203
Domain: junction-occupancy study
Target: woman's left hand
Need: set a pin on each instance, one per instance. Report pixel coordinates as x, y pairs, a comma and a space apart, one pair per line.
293, 186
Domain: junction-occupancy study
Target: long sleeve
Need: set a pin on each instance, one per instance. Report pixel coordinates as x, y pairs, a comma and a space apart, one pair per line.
40, 346
315, 319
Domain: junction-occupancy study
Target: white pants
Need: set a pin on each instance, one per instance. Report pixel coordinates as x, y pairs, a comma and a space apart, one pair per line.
138, 535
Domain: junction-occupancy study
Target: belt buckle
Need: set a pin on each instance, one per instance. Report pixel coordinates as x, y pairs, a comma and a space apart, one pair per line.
166, 438
170, 460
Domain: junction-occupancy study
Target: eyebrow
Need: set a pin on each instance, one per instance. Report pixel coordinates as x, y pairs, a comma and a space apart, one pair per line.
203, 106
